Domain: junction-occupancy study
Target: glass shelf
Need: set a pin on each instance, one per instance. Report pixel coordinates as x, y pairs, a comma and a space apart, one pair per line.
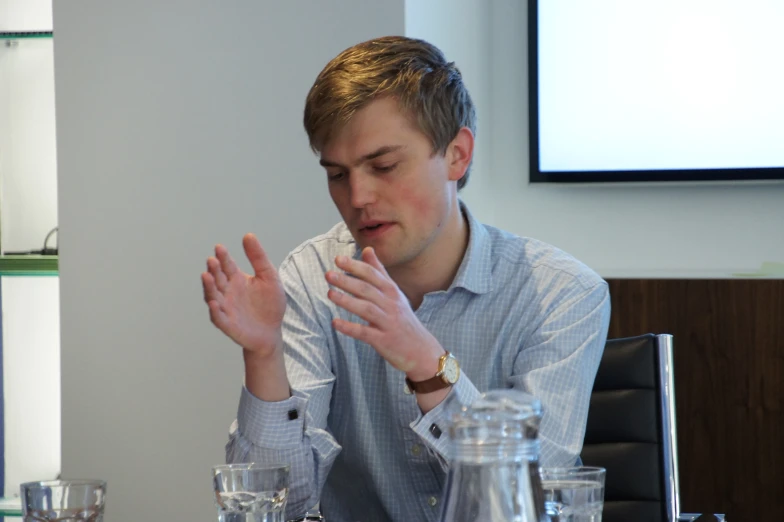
10, 507
25, 34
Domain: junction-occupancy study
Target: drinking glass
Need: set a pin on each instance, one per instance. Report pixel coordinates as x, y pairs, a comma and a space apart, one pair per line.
63, 501
573, 494
250, 492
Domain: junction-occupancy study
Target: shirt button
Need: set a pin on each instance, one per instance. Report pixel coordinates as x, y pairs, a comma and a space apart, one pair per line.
416, 449
432, 501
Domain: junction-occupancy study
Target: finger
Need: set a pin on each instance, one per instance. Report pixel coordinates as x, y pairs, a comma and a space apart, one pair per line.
214, 267
217, 316
356, 287
227, 264
373, 337
370, 257
211, 292
256, 255
359, 307
358, 331
363, 271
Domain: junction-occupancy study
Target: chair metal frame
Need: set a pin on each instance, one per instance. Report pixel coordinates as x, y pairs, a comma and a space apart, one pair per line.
670, 433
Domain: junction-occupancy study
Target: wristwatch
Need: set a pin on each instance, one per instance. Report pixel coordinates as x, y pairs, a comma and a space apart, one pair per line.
447, 375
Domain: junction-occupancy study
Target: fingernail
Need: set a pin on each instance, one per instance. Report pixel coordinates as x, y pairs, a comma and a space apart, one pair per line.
341, 260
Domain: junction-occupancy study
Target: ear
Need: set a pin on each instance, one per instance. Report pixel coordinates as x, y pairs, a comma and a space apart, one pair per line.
459, 153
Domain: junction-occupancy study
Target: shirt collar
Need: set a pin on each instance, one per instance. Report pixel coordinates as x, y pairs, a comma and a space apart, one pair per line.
476, 270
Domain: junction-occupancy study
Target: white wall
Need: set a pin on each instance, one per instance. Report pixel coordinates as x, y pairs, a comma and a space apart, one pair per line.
31, 379
25, 15
28, 164
179, 125
679, 231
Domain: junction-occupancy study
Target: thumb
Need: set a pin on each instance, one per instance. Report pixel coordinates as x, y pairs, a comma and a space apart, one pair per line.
256, 255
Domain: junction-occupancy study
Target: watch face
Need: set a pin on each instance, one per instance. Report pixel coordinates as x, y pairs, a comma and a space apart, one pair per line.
451, 370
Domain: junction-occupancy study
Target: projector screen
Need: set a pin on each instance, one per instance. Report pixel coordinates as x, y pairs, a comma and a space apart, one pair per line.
656, 90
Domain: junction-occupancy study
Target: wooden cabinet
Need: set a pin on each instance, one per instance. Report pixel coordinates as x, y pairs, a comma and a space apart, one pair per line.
728, 337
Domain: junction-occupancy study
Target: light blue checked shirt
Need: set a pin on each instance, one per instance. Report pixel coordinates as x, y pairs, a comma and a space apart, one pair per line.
519, 314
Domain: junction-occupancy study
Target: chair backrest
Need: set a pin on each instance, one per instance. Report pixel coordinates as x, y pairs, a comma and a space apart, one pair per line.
631, 430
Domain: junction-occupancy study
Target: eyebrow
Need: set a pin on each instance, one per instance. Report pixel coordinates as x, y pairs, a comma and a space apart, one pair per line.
367, 157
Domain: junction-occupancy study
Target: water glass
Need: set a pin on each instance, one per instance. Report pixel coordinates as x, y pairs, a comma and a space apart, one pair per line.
63, 501
573, 494
251, 492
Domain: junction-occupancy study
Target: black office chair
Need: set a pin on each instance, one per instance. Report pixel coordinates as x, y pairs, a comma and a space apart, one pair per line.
631, 431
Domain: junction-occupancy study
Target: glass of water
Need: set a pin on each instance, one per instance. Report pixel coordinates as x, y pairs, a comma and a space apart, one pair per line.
63, 501
573, 494
250, 492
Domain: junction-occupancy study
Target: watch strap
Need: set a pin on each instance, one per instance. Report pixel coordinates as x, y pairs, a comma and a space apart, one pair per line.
428, 386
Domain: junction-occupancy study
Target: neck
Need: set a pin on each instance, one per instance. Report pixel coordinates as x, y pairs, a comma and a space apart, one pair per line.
436, 268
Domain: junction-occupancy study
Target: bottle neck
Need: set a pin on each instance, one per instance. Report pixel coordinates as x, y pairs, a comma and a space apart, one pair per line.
490, 452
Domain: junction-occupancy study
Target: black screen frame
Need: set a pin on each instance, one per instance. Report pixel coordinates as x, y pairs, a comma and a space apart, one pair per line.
536, 175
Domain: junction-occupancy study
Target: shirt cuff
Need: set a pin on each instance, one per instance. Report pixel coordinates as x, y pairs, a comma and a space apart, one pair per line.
433, 427
273, 425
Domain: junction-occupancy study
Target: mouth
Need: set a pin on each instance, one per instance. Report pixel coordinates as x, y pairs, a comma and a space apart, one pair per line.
374, 229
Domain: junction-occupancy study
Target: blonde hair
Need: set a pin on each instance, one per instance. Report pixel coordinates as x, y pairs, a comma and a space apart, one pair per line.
412, 71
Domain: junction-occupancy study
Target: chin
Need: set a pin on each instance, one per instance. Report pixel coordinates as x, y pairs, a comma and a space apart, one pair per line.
383, 257
386, 260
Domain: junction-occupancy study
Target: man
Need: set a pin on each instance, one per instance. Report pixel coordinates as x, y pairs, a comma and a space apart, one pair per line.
409, 293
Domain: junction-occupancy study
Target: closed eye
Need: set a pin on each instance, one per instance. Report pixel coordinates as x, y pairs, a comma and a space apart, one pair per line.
335, 176
382, 169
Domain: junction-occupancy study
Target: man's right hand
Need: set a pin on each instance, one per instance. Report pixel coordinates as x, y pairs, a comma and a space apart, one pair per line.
248, 309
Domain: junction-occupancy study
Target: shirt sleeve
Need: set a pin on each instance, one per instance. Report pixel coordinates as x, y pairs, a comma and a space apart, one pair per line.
432, 426
558, 365
293, 431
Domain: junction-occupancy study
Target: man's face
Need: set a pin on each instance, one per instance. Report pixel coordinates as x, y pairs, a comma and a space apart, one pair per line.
394, 193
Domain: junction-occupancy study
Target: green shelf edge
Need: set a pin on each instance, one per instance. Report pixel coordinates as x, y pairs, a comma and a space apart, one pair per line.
25, 35
29, 265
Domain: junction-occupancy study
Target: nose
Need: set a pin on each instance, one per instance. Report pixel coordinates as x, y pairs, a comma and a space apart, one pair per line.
363, 190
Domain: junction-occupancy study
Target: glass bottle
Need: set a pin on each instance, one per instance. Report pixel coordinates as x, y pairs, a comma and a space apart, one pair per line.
494, 468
